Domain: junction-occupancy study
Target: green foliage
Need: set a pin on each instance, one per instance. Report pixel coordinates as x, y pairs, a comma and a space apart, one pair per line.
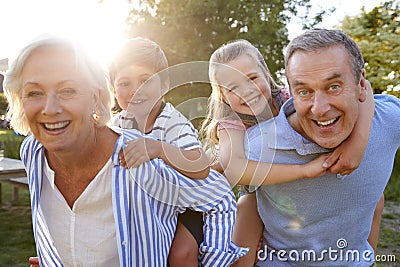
3, 104
10, 143
392, 191
16, 236
190, 30
378, 35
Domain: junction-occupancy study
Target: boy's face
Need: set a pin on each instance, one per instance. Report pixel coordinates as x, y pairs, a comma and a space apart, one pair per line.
138, 90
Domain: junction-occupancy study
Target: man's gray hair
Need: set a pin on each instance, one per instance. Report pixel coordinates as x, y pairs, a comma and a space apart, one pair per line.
316, 39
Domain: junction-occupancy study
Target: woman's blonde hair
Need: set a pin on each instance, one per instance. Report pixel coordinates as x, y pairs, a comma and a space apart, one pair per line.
89, 67
217, 107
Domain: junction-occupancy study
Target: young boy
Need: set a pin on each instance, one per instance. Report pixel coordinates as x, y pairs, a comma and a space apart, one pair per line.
139, 77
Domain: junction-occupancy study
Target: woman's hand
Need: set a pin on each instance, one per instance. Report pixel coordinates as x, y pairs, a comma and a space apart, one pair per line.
34, 261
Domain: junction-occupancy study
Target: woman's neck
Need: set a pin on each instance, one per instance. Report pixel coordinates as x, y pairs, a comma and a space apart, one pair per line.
101, 144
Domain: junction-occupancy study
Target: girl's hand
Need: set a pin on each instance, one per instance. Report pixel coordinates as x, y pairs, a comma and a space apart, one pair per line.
343, 160
316, 167
139, 151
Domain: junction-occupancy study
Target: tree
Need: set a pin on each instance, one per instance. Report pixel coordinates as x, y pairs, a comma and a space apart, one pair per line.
378, 35
191, 30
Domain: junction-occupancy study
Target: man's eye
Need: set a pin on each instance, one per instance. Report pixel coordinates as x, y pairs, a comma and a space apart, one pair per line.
302, 92
335, 87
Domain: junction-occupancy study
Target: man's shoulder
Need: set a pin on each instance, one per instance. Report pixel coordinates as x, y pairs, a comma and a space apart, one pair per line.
384, 100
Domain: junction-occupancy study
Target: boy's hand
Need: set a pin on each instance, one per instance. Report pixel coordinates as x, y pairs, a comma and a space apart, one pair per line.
139, 151
34, 261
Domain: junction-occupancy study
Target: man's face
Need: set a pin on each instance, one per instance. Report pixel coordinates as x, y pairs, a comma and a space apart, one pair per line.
326, 95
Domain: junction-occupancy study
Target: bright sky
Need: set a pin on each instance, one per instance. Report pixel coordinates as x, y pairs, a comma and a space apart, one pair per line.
101, 25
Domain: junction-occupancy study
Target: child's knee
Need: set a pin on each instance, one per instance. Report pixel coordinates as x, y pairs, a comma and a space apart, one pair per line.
181, 256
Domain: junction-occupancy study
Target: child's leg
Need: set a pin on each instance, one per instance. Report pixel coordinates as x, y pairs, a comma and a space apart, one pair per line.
248, 229
376, 223
188, 235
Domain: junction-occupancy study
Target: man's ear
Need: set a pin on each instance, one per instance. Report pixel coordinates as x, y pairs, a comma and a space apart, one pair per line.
363, 87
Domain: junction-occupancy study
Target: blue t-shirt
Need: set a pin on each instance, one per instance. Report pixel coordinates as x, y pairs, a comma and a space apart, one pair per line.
324, 221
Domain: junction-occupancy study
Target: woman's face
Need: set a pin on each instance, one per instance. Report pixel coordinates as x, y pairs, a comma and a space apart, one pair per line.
57, 100
244, 85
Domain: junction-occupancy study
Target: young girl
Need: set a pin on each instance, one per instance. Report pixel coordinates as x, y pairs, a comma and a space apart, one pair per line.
243, 94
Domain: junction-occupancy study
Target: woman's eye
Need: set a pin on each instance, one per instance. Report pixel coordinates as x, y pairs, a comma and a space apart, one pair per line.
68, 91
34, 93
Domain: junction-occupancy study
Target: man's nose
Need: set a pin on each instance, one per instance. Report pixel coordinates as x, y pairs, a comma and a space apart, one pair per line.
52, 105
320, 104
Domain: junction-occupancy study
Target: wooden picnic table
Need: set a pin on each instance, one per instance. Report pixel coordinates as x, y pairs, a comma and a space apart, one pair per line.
12, 171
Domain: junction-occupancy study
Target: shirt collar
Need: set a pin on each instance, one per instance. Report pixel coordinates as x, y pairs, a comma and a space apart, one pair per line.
287, 138
49, 173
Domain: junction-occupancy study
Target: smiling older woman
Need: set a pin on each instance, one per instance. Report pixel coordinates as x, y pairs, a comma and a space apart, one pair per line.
86, 208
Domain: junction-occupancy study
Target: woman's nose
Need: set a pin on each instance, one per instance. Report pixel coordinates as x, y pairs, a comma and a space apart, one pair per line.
52, 105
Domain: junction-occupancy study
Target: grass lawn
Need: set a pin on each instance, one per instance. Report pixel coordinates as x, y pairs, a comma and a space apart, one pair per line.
16, 237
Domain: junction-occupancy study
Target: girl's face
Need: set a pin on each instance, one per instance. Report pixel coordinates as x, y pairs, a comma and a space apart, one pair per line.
244, 86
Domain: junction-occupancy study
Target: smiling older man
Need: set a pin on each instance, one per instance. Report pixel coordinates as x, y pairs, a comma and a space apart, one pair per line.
324, 221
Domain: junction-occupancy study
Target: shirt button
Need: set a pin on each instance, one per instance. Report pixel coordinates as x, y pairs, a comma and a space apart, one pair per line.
124, 243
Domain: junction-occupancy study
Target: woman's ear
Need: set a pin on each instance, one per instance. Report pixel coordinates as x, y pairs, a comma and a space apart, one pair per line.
96, 97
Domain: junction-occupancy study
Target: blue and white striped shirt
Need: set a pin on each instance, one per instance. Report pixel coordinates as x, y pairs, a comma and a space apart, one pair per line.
146, 202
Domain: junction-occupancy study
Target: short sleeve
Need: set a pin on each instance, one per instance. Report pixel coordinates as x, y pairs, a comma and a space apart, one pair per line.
231, 124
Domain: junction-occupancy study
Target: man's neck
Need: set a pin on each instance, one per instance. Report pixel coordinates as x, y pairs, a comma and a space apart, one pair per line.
294, 122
